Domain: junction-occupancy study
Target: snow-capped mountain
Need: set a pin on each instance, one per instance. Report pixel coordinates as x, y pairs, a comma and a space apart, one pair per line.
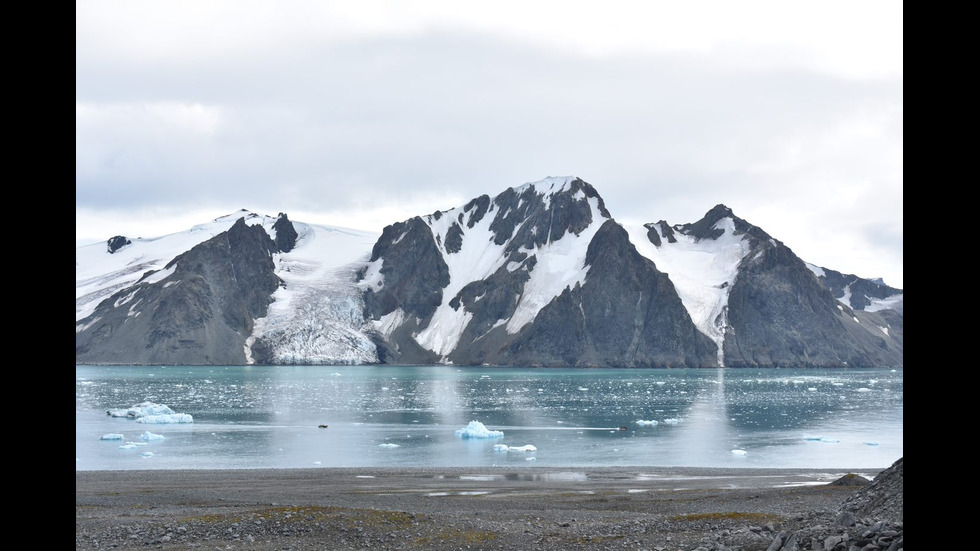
539, 275
763, 306
133, 297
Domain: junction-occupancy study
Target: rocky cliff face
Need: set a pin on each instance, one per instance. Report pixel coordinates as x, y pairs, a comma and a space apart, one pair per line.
198, 310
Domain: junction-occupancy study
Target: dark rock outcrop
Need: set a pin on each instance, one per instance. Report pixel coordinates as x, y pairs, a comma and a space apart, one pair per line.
285, 233
116, 243
199, 310
870, 519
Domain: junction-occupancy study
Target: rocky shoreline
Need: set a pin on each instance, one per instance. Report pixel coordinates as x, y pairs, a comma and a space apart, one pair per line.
661, 509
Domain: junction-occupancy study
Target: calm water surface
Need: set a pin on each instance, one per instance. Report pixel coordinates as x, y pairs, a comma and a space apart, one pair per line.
383, 416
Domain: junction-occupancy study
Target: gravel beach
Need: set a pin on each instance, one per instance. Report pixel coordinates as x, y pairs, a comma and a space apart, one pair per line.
658, 508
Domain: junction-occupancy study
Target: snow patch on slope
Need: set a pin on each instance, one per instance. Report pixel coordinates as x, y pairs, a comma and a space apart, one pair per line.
560, 265
478, 257
702, 272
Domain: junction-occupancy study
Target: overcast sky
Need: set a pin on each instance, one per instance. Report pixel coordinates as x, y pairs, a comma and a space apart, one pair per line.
364, 113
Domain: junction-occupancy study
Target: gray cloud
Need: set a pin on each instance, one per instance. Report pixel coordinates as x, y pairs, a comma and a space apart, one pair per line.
428, 120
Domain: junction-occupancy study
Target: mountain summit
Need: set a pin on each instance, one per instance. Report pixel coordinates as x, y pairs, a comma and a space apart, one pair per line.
539, 275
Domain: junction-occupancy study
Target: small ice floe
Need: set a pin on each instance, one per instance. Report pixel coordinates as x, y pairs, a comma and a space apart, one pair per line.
149, 412
388, 445
739, 453
150, 437
505, 448
870, 443
477, 429
146, 454
647, 423
530, 459
671, 421
864, 389
111, 436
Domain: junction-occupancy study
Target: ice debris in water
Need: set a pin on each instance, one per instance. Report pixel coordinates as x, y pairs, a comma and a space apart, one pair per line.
506, 448
388, 445
739, 452
111, 436
148, 412
477, 429
645, 423
149, 436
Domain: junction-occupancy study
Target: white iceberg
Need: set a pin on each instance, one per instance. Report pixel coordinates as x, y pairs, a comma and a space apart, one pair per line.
477, 429
149, 412
111, 436
739, 452
645, 423
388, 445
149, 436
671, 421
140, 410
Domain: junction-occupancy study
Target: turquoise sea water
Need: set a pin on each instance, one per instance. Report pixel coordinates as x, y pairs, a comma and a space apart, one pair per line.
385, 416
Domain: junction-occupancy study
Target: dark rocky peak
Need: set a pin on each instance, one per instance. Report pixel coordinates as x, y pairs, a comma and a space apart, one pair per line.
706, 227
116, 243
237, 237
862, 291
654, 231
541, 212
285, 233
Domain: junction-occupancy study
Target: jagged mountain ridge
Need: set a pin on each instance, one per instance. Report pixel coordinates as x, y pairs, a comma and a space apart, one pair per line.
539, 275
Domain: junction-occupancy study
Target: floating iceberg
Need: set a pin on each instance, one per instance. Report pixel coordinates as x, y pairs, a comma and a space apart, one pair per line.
140, 410
671, 421
388, 445
148, 412
644, 423
149, 436
477, 429
111, 436
739, 452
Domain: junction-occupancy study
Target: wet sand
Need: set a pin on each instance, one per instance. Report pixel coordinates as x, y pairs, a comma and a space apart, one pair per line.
445, 508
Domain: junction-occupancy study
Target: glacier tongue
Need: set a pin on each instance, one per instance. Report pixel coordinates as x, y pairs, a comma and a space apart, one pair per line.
317, 316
